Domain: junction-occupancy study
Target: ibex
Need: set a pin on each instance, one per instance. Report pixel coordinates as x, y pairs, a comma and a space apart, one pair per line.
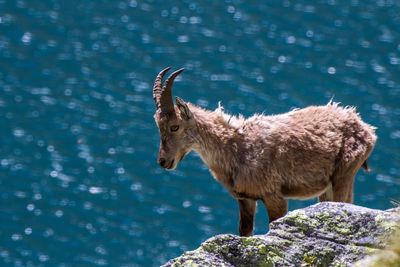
311, 152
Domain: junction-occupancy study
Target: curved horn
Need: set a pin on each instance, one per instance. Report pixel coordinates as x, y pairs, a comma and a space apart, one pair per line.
166, 102
157, 88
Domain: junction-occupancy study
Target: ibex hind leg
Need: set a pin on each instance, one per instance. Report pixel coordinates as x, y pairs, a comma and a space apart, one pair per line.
343, 184
343, 179
343, 189
327, 195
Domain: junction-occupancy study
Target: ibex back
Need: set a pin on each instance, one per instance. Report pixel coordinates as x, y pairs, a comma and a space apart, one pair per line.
311, 152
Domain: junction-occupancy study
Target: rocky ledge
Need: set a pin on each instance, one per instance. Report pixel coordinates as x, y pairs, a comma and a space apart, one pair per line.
325, 234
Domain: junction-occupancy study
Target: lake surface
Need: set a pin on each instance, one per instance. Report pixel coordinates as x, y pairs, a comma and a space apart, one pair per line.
79, 182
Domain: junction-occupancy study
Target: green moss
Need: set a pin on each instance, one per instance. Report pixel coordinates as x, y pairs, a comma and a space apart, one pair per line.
210, 246
309, 260
263, 249
300, 219
322, 257
217, 245
325, 220
324, 217
258, 247
386, 224
284, 237
338, 224
270, 254
269, 250
176, 264
343, 229
371, 250
249, 241
271, 259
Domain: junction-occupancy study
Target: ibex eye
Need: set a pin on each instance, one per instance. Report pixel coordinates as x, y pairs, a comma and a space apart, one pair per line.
174, 128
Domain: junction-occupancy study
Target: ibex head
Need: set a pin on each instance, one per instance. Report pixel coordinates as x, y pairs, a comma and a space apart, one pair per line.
174, 123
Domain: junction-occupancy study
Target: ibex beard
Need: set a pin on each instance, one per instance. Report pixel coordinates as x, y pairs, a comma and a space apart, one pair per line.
311, 152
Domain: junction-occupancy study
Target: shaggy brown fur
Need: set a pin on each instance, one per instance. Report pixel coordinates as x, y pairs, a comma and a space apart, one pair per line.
305, 153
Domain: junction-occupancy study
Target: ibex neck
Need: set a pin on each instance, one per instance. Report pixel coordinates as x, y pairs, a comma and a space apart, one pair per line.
217, 144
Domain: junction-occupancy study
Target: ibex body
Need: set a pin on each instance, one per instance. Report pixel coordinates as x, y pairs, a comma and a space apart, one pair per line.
310, 152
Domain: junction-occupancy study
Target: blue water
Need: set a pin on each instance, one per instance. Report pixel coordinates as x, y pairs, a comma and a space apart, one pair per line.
79, 183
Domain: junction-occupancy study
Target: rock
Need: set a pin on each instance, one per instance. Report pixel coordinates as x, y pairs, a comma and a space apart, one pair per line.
381, 259
325, 234
389, 257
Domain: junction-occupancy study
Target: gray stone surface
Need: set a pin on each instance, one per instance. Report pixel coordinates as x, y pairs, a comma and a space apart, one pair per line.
325, 234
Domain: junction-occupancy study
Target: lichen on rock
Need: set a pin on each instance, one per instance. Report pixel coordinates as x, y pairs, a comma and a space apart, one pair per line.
325, 234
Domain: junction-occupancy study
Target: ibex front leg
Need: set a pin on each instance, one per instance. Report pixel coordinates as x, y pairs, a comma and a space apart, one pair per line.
247, 210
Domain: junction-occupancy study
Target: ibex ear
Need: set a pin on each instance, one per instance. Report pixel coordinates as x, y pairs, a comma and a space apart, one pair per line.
183, 108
